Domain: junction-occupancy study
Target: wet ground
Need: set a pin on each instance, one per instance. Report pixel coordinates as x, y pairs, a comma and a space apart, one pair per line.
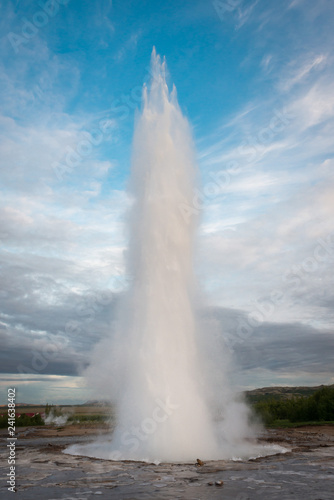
43, 471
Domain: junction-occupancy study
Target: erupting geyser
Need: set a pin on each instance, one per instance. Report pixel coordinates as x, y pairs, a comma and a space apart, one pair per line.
152, 368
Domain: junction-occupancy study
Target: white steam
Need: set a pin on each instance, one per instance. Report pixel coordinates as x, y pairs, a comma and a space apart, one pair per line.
56, 419
160, 369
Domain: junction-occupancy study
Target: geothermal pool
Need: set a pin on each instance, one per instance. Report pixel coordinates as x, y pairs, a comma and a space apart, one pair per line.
44, 472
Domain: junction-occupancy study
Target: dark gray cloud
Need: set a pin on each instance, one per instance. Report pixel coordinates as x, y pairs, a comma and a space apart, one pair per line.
54, 307
45, 326
277, 347
287, 348
48, 328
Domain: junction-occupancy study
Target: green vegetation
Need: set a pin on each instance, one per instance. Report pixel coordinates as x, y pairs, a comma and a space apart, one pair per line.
319, 407
278, 393
23, 421
88, 418
276, 406
286, 424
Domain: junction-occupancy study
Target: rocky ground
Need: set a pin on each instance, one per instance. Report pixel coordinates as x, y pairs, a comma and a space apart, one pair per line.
43, 471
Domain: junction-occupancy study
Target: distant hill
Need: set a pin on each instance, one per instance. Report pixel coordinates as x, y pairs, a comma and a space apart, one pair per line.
19, 404
95, 403
253, 396
281, 393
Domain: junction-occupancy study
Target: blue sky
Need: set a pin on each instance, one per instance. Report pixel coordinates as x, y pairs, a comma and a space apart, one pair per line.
255, 80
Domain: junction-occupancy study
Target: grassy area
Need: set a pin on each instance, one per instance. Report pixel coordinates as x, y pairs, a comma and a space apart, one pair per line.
22, 421
286, 424
71, 409
74, 413
29, 409
266, 394
317, 408
88, 418
87, 410
282, 407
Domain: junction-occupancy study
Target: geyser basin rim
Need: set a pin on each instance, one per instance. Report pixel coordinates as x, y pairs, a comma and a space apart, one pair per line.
101, 451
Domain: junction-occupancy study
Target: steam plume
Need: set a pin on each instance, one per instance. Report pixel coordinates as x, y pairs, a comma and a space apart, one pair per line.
173, 399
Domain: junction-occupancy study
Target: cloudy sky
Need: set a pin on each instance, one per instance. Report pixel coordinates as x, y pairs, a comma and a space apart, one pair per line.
255, 79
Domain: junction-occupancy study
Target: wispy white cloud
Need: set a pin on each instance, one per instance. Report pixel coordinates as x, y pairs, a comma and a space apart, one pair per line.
260, 231
315, 107
129, 46
244, 13
300, 74
295, 3
266, 62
